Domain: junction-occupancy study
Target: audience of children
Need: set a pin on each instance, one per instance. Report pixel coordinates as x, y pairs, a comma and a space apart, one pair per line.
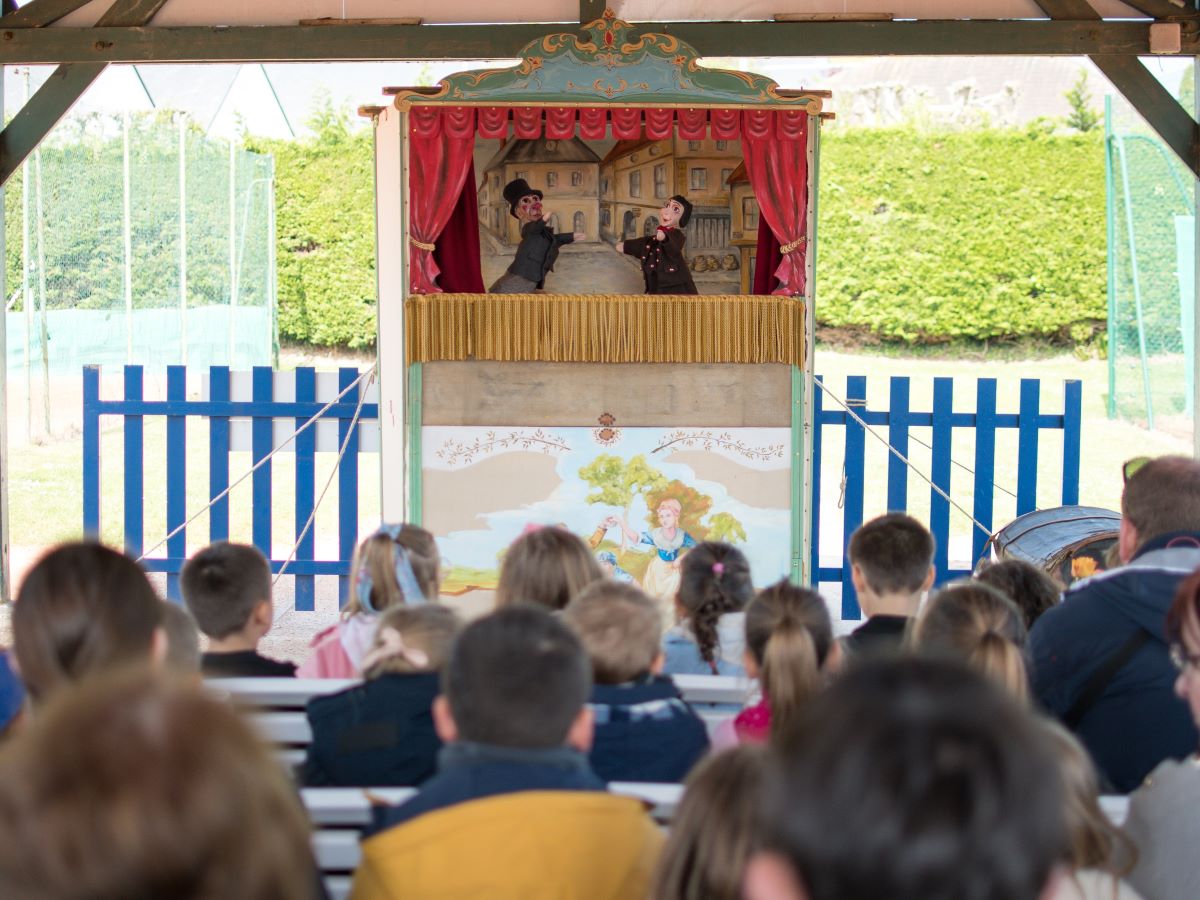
891, 567
1024, 584
1163, 820
514, 811
398, 564
227, 589
183, 640
714, 828
978, 625
546, 566
381, 732
81, 609
1100, 661
136, 785
709, 637
644, 731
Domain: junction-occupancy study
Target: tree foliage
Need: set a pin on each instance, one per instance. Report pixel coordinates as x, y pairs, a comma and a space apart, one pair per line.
1083, 117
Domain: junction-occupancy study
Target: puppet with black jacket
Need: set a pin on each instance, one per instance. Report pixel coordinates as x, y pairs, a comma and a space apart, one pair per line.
664, 266
539, 244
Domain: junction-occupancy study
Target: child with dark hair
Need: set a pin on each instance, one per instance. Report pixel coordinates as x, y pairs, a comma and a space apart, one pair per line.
381, 732
546, 566
715, 828
83, 609
645, 731
891, 567
1024, 584
395, 566
789, 649
714, 588
911, 779
227, 589
514, 811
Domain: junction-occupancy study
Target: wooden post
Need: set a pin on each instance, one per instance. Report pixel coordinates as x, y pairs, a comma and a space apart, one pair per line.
5, 562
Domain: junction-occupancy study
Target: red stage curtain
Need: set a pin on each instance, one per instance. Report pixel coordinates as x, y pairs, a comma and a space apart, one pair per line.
766, 260
693, 124
457, 253
527, 122
626, 124
726, 124
560, 124
593, 124
659, 123
493, 122
441, 144
778, 170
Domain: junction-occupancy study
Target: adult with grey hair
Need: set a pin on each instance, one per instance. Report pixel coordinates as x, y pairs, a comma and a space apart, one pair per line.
514, 811
1100, 660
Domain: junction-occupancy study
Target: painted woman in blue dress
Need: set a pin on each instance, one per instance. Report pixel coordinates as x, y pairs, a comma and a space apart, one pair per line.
670, 542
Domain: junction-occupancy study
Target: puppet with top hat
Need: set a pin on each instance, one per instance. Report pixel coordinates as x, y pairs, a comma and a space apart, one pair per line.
539, 244
664, 267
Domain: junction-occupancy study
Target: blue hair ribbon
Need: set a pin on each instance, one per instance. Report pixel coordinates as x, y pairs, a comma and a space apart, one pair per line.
406, 579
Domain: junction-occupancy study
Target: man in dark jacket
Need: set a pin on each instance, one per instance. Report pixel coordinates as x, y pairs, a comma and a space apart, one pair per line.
664, 266
1100, 660
539, 244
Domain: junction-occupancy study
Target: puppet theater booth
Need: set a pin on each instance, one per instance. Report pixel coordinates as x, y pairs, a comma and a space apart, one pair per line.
500, 412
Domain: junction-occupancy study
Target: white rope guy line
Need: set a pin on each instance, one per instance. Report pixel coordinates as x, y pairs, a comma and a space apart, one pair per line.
900, 456
370, 370
362, 398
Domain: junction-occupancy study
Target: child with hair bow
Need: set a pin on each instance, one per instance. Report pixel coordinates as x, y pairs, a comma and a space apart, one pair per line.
397, 565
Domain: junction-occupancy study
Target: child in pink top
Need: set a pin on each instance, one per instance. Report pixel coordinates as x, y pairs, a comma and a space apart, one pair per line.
398, 564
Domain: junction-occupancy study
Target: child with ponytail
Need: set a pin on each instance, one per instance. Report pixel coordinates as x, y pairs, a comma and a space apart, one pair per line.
397, 565
789, 649
714, 588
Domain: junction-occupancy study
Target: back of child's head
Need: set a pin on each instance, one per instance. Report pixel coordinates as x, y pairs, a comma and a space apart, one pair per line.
81, 609
518, 677
620, 627
714, 579
976, 623
1024, 584
789, 635
893, 552
183, 639
397, 564
914, 778
412, 639
1095, 843
547, 567
714, 828
223, 584
133, 784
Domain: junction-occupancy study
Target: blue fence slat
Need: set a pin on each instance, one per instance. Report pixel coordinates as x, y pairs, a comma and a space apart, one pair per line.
985, 464
347, 478
261, 443
248, 409
939, 507
1027, 446
134, 471
91, 452
176, 476
897, 483
1072, 434
855, 475
218, 455
306, 475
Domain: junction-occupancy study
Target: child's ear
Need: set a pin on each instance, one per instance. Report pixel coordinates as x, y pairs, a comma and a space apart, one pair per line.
264, 614
656, 666
929, 578
159, 645
750, 664
834, 658
443, 720
770, 877
582, 731
857, 579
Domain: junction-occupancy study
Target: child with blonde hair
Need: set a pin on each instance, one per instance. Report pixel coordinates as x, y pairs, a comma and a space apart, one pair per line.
381, 732
397, 565
546, 566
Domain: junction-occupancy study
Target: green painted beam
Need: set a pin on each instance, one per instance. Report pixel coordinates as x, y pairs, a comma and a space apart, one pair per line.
1173, 124
293, 43
38, 13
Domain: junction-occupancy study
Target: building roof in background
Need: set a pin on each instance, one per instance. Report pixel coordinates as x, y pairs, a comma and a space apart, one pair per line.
545, 150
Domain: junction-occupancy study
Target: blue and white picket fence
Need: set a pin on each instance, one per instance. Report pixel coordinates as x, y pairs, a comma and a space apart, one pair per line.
277, 403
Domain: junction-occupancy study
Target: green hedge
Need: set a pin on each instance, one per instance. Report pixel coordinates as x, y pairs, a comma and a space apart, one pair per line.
933, 237
325, 227
926, 237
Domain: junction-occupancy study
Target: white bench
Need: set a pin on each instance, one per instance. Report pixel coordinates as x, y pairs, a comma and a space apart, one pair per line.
339, 814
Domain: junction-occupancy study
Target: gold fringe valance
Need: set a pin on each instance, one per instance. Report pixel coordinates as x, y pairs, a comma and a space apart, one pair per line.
605, 328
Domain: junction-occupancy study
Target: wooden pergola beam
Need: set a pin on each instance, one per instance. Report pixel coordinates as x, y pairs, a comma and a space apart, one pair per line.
65, 85
38, 13
1161, 9
294, 43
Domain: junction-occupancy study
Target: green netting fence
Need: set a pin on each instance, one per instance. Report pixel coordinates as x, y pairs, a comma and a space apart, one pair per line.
137, 239
1151, 269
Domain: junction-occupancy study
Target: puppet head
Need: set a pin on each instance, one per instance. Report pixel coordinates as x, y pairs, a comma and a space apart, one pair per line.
676, 212
515, 190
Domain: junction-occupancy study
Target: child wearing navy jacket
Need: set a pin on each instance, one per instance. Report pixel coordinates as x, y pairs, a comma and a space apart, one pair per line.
645, 731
